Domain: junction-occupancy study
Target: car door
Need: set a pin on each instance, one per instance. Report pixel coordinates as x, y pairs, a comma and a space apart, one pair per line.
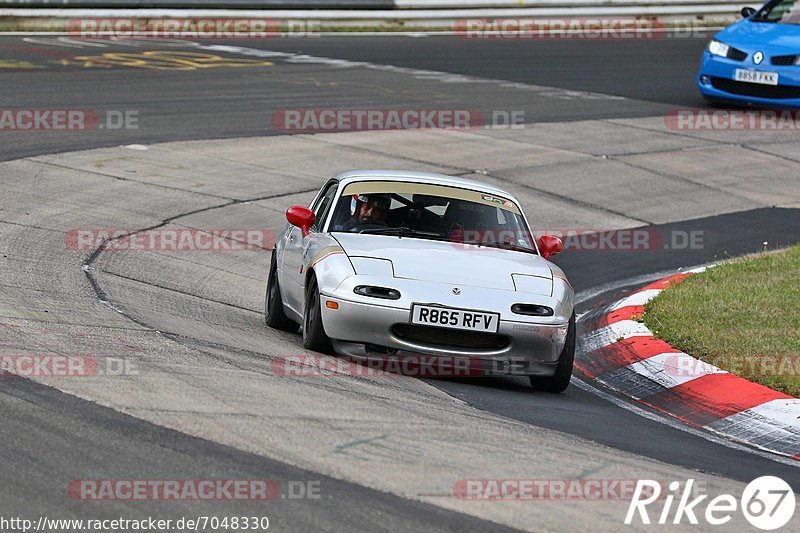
296, 248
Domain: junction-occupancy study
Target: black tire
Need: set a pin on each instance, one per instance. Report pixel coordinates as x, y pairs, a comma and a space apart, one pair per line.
559, 381
274, 315
314, 337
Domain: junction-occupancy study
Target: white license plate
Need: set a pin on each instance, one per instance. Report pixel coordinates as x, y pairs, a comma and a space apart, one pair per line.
447, 317
755, 76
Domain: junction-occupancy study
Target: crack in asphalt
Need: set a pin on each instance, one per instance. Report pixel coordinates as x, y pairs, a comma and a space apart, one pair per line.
103, 297
156, 285
466, 171
572, 201
120, 178
779, 156
678, 177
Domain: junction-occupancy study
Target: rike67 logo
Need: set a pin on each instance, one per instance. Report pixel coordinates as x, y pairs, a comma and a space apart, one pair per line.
767, 503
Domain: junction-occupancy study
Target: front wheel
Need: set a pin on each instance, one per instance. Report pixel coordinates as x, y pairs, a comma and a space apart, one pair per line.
314, 337
559, 381
274, 315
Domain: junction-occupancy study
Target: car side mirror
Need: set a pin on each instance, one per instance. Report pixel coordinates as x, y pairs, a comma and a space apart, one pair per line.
550, 245
301, 217
748, 12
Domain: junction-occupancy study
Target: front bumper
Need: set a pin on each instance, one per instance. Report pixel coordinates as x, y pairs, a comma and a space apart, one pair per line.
365, 327
716, 82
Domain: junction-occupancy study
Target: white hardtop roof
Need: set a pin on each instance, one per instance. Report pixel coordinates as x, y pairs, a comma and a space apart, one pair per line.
420, 177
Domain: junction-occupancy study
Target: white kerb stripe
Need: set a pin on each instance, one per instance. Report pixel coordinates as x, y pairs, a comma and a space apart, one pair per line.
785, 412
610, 334
637, 298
773, 425
673, 369
697, 270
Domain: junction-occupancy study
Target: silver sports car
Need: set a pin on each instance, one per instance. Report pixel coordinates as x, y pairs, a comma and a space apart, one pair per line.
406, 264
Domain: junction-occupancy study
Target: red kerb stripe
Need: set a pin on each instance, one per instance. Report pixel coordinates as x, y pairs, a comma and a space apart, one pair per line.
622, 353
712, 397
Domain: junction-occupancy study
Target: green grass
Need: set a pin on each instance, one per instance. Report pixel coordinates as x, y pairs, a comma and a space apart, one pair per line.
742, 316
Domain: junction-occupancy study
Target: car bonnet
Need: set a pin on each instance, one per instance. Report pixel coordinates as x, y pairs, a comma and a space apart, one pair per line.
446, 262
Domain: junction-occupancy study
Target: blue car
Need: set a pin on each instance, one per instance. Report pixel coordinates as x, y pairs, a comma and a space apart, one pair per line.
756, 62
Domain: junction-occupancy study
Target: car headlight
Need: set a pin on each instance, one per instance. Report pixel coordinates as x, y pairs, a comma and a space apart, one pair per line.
531, 310
718, 48
377, 292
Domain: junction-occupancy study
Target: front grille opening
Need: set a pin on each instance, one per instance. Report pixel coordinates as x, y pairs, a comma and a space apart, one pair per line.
755, 89
449, 338
736, 55
784, 60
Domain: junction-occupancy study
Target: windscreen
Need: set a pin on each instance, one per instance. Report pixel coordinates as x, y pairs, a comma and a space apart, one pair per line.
783, 11
432, 212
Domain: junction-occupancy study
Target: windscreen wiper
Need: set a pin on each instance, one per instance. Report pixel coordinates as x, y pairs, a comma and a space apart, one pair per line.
516, 248
400, 231
503, 246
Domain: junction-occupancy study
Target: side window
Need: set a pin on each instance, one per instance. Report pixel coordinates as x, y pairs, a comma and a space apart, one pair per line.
318, 200
324, 206
501, 217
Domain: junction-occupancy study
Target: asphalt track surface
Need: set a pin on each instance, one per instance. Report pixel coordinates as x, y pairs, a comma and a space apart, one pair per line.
652, 76
46, 435
728, 235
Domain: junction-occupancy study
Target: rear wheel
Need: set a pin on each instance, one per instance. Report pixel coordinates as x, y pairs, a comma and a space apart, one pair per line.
274, 315
559, 381
314, 337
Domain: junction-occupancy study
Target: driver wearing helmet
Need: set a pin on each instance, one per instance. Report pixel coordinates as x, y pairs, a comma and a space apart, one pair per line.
369, 209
